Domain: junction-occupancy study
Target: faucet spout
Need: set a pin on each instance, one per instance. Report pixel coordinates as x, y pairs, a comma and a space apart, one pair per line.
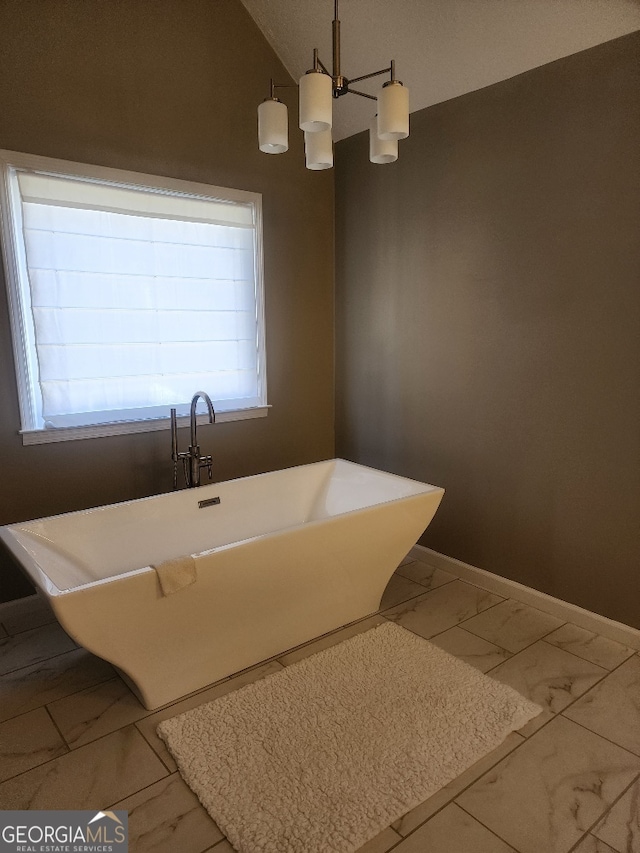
194, 405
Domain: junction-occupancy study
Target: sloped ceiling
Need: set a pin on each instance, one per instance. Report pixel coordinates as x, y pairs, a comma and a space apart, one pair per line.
442, 48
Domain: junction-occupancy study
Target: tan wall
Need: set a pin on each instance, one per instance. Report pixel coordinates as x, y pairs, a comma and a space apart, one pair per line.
488, 323
169, 87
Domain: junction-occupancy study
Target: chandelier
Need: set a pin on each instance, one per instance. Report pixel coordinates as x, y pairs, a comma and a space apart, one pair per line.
317, 90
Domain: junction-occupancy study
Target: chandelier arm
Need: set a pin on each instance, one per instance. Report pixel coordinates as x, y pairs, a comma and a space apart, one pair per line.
362, 94
324, 67
367, 76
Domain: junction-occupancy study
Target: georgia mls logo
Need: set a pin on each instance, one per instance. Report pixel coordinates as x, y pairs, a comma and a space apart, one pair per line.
63, 832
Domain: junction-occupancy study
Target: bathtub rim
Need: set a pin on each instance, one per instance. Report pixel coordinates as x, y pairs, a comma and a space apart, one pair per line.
36, 574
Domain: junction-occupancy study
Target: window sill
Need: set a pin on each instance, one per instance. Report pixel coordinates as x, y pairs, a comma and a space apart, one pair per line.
46, 436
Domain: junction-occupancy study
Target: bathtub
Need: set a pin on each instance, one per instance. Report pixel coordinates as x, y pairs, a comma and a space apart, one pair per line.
281, 558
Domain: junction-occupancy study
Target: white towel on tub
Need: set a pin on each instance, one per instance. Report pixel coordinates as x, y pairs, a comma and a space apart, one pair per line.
176, 574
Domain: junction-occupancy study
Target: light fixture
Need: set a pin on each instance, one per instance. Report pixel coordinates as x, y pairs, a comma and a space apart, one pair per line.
393, 110
273, 125
317, 89
381, 150
316, 107
318, 150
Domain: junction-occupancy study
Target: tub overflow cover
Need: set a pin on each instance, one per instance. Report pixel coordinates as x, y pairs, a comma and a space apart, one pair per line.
208, 502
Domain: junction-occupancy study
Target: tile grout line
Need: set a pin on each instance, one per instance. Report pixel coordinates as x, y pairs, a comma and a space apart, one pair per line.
468, 618
492, 831
150, 745
501, 648
460, 792
539, 640
556, 714
604, 813
597, 734
569, 652
593, 686
423, 594
435, 589
150, 785
582, 838
86, 746
533, 642
57, 728
425, 591
428, 588
65, 696
41, 660
543, 639
12, 634
92, 720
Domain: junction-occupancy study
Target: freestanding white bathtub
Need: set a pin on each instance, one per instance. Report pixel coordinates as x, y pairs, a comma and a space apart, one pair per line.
281, 558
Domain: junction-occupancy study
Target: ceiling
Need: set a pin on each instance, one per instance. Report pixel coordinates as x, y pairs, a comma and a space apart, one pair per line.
442, 48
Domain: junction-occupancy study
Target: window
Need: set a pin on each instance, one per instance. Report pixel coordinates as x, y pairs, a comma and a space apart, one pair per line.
128, 294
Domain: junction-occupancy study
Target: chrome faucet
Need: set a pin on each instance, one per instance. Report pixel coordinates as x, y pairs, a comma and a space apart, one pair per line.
192, 462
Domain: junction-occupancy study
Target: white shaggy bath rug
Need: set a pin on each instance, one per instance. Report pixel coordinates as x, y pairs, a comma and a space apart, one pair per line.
322, 756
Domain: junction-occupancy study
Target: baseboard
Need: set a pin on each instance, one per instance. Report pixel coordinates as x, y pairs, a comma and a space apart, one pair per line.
586, 619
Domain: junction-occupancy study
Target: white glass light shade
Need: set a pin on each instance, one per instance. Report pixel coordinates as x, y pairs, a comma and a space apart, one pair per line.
318, 150
273, 127
316, 102
381, 150
393, 111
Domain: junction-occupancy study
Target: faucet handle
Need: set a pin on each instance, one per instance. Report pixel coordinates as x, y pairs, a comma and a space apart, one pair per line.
207, 462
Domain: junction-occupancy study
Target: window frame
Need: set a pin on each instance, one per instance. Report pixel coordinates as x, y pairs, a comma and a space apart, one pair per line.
13, 251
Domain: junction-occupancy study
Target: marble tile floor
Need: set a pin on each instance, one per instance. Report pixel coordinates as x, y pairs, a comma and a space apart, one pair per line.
72, 735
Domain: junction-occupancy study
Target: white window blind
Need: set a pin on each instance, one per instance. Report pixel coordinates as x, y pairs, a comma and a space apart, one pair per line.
134, 298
